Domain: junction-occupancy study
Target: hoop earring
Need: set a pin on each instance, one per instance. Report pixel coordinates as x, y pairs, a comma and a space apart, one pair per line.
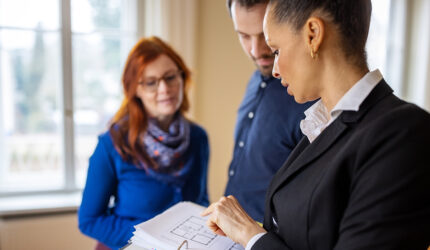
314, 55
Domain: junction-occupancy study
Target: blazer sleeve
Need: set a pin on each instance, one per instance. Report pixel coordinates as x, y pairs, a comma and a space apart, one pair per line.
270, 241
94, 216
389, 203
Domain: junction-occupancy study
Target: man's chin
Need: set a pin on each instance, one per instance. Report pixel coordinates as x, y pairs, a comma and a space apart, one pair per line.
265, 70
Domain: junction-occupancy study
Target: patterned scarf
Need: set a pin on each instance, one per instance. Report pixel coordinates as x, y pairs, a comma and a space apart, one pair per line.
168, 149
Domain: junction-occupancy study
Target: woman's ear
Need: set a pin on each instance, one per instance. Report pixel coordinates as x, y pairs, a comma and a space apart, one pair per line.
314, 34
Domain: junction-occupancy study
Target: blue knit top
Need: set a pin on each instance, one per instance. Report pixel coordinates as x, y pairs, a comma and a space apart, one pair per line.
118, 195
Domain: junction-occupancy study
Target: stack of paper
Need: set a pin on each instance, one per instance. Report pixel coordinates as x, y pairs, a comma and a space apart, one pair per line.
176, 225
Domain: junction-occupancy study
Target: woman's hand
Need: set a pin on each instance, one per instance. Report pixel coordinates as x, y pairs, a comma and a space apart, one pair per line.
227, 218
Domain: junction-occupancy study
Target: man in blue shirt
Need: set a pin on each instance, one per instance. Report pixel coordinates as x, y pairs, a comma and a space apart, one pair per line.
268, 122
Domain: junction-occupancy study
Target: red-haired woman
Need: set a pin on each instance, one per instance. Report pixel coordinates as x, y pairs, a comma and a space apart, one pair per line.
152, 156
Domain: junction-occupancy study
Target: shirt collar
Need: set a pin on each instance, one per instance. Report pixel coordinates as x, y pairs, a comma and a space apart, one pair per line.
353, 98
317, 118
265, 78
315, 121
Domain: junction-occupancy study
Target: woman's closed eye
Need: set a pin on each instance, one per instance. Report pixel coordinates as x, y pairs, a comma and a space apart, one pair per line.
150, 83
169, 78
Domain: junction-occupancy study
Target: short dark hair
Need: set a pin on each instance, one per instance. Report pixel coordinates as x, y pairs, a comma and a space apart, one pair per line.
245, 3
352, 18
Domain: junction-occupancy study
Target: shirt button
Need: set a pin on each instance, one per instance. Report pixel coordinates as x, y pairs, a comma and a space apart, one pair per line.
263, 85
251, 115
231, 172
241, 144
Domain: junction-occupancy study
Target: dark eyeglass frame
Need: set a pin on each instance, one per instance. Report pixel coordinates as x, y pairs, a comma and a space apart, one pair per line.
171, 79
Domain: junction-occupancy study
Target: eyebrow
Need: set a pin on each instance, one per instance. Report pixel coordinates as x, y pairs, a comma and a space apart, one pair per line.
272, 47
164, 74
268, 42
244, 33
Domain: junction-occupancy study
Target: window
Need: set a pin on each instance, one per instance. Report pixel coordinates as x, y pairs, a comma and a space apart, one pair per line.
377, 41
60, 83
386, 42
399, 46
102, 37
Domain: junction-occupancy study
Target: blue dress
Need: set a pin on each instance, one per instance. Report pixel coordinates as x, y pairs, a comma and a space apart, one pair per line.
137, 196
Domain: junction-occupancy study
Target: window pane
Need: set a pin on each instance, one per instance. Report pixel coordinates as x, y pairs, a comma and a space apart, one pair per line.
43, 14
91, 15
378, 35
30, 124
97, 65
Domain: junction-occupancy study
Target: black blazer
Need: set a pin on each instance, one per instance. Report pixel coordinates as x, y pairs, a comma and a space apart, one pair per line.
364, 183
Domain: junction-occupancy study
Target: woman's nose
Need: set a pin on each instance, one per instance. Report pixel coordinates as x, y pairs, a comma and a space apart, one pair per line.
275, 70
162, 86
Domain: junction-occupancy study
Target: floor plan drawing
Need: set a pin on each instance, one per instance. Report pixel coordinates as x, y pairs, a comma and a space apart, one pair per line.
178, 226
193, 229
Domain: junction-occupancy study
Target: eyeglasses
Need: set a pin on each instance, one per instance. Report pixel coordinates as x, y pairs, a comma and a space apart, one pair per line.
171, 79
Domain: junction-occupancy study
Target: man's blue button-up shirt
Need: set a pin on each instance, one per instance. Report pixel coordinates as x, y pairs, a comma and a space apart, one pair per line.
267, 130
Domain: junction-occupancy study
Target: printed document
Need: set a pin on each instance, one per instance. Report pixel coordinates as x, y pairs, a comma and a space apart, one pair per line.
179, 225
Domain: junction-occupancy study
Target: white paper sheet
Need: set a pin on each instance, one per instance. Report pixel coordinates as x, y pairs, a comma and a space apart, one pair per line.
181, 222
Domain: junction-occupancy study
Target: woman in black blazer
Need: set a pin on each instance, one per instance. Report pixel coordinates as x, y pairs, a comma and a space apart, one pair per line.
360, 178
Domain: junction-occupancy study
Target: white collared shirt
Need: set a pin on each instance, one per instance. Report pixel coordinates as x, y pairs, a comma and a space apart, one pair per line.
317, 117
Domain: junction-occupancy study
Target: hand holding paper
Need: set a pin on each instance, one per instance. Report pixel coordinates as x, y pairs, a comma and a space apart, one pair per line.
179, 227
229, 219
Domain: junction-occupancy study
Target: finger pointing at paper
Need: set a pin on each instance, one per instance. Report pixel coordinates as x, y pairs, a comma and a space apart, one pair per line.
228, 218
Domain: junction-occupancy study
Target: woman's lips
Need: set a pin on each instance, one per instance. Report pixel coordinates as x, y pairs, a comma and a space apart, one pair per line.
166, 100
284, 84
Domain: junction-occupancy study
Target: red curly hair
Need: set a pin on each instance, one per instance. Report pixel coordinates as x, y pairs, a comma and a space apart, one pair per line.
130, 121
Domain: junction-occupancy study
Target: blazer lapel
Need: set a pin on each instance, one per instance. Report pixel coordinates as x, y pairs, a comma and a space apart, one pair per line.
309, 153
303, 143
305, 153
298, 149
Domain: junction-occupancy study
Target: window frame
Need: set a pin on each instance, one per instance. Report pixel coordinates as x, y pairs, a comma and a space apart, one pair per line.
66, 103
67, 91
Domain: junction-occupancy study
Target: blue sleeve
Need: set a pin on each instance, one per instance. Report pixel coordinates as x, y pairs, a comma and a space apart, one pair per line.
204, 161
196, 190
94, 216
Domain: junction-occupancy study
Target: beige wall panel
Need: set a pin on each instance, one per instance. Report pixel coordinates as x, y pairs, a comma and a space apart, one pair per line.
51, 232
221, 74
